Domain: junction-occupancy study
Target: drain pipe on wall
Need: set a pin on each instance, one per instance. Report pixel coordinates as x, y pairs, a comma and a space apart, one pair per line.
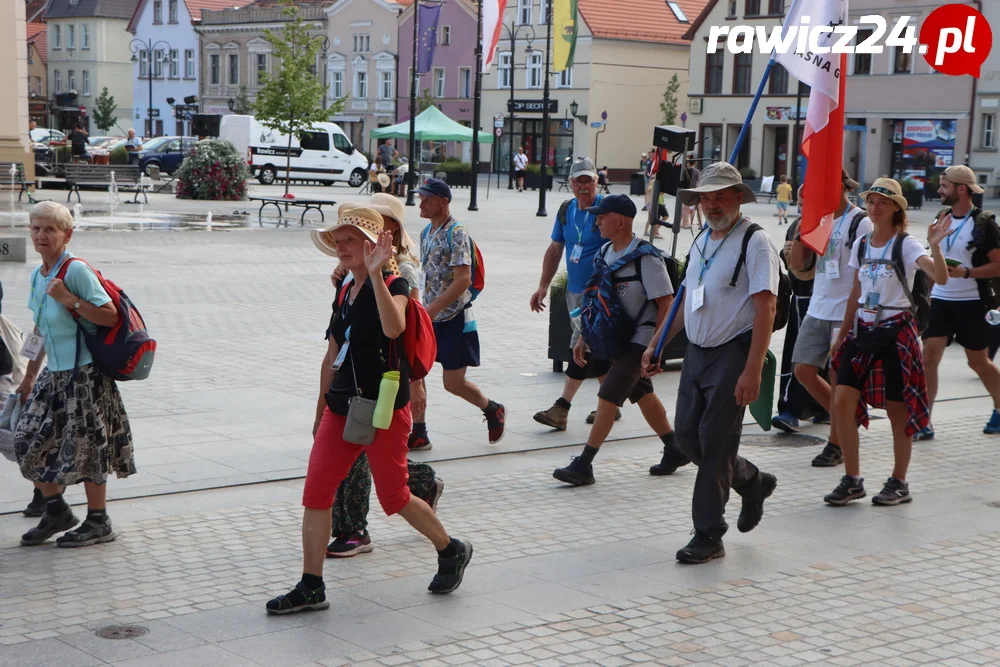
972, 106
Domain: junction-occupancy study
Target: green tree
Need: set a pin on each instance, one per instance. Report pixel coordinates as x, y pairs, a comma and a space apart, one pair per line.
669, 104
291, 100
425, 101
242, 105
104, 111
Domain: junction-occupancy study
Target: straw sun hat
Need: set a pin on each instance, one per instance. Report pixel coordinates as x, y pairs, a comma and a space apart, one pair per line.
886, 187
366, 220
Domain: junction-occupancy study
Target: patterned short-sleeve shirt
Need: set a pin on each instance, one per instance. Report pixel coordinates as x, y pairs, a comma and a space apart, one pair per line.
437, 257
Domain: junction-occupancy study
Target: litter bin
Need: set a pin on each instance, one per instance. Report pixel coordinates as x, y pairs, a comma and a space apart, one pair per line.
637, 184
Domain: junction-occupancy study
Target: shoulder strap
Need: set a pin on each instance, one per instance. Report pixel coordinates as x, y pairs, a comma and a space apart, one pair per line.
862, 247
61, 275
562, 215
344, 289
451, 232
852, 232
897, 259
752, 229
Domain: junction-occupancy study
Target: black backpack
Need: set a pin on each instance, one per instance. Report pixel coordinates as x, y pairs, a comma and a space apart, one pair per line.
920, 296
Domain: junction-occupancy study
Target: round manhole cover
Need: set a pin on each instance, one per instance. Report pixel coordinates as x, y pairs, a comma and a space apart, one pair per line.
122, 632
992, 503
781, 440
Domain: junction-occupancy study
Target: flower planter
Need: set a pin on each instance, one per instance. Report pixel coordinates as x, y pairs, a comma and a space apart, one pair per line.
458, 179
532, 181
914, 199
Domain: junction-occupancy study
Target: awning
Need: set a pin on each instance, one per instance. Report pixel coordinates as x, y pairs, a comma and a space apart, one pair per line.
431, 124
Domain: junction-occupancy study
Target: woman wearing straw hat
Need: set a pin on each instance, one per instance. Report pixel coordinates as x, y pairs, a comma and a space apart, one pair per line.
350, 508
363, 345
878, 359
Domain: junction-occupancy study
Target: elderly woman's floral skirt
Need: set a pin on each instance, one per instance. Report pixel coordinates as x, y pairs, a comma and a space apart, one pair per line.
74, 429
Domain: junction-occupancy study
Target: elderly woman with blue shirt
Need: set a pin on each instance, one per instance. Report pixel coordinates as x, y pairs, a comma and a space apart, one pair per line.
74, 427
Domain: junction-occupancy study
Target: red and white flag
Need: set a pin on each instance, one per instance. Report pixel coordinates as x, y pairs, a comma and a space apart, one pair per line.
823, 138
492, 22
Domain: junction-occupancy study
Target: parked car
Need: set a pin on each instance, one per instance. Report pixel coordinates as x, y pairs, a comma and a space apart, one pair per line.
103, 142
167, 153
43, 135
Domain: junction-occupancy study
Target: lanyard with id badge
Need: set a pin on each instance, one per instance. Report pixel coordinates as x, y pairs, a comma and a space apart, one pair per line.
35, 342
577, 252
873, 269
698, 294
831, 259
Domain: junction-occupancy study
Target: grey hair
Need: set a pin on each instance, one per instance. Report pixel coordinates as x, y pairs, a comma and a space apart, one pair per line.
54, 212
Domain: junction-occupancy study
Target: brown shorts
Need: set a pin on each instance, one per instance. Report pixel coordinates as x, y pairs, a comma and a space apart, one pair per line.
624, 380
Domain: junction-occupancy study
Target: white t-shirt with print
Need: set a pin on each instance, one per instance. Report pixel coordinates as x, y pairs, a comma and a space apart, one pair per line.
956, 246
830, 294
882, 279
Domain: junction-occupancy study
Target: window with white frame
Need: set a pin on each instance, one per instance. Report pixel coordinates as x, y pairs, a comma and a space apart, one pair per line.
337, 84
213, 69
534, 72
524, 11
445, 35
174, 64
565, 78
56, 37
234, 69
157, 11
465, 82
361, 85
385, 87
172, 11
504, 71
362, 42
71, 79
188, 63
57, 84
86, 83
71, 37
143, 64
544, 7
261, 59
989, 139
158, 64
85, 36
439, 82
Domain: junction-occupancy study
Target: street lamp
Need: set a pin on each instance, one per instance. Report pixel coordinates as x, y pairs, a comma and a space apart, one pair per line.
573, 108
137, 45
542, 213
512, 34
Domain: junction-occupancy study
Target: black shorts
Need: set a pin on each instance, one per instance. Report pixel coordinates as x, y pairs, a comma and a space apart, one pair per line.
595, 368
624, 379
960, 321
893, 372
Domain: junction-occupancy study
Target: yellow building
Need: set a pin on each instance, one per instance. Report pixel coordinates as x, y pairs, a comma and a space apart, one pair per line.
14, 144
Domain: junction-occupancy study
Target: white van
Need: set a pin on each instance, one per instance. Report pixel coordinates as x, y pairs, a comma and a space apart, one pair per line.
325, 154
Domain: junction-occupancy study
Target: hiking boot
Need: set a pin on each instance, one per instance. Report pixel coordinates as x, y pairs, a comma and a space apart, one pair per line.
349, 545
830, 456
576, 473
451, 570
37, 505
89, 532
701, 549
593, 415
555, 417
434, 495
49, 526
669, 462
761, 488
893, 493
846, 491
300, 598
418, 443
993, 425
786, 422
495, 420
926, 433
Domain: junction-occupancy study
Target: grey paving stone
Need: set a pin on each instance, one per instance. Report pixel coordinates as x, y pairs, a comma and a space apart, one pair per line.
388, 629
45, 652
288, 648
465, 614
547, 598
108, 650
236, 622
199, 656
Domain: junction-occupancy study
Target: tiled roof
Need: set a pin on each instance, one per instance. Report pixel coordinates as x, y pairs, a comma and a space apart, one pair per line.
34, 9
38, 35
195, 6
114, 9
298, 3
645, 20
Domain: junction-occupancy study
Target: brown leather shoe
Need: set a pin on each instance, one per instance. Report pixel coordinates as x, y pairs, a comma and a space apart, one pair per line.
556, 417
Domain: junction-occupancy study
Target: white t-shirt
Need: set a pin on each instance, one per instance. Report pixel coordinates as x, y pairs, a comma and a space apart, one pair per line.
881, 280
520, 161
956, 246
830, 294
727, 311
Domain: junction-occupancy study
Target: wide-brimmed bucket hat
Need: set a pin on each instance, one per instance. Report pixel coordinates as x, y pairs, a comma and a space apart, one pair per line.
886, 187
715, 177
368, 221
391, 206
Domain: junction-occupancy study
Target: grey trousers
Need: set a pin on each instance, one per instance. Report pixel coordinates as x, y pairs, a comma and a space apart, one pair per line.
708, 424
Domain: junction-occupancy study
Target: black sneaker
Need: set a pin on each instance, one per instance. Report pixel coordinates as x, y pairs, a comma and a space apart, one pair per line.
593, 415
89, 532
300, 598
349, 545
419, 443
669, 462
434, 495
763, 486
846, 491
701, 549
451, 570
495, 420
49, 526
893, 493
576, 473
831, 456
37, 505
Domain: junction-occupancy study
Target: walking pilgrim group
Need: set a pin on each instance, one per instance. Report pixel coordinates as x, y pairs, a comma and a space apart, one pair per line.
858, 346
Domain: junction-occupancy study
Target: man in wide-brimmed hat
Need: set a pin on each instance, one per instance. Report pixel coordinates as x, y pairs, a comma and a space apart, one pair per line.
729, 328
831, 289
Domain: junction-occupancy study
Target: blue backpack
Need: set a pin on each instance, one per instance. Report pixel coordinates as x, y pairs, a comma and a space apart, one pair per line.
605, 325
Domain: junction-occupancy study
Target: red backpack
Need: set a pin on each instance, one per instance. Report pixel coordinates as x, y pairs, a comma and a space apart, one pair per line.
419, 342
124, 351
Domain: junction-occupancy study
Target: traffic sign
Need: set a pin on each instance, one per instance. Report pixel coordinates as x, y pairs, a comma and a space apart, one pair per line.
498, 131
597, 123
498, 122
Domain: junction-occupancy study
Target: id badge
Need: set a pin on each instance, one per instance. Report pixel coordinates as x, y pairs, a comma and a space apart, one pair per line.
833, 269
698, 297
576, 254
342, 356
871, 301
33, 346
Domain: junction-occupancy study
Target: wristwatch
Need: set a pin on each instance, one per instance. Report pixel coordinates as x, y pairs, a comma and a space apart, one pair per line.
76, 306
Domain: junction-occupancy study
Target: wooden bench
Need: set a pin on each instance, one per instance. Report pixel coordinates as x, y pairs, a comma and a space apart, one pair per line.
17, 182
127, 178
278, 202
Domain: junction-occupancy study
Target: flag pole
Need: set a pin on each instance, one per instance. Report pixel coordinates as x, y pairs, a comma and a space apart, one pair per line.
411, 175
477, 111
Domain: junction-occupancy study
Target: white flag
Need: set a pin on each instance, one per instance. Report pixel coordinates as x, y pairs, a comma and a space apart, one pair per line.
492, 22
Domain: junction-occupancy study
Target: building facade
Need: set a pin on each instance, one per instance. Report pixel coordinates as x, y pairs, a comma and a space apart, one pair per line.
14, 143
234, 52
984, 155
38, 106
903, 118
361, 65
88, 50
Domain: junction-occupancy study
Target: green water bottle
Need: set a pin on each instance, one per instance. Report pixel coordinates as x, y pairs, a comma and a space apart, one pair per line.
387, 390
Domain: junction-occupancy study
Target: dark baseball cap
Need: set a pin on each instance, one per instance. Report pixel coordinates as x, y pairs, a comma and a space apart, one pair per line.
622, 204
435, 187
